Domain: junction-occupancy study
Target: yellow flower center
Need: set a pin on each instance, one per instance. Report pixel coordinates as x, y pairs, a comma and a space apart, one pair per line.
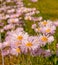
19, 37
48, 30
18, 50
44, 39
44, 23
29, 44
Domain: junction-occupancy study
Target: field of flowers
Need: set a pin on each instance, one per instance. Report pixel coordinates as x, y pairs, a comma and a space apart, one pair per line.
28, 32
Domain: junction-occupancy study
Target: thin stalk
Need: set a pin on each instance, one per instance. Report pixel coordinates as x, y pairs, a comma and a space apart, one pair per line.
1, 52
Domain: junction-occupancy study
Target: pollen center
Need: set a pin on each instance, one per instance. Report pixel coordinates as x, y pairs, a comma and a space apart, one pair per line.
19, 37
48, 30
44, 23
18, 50
29, 44
44, 39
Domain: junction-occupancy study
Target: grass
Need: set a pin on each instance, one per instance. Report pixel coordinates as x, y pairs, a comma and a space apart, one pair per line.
48, 10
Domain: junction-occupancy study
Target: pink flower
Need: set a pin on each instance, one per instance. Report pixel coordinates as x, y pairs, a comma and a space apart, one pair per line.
56, 23
8, 27
15, 51
33, 26
50, 39
14, 15
13, 20
5, 44
31, 43
47, 53
4, 53
45, 39
11, 11
47, 29
34, 0
16, 37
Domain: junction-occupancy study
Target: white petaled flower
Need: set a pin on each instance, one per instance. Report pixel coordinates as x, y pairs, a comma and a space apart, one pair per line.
15, 51
8, 27
16, 37
14, 15
45, 39
40, 18
5, 44
20, 29
38, 29
50, 39
7, 16
45, 23
33, 26
48, 29
11, 11
31, 43
34, 0
27, 18
25, 10
56, 23
30, 13
8, 0
13, 20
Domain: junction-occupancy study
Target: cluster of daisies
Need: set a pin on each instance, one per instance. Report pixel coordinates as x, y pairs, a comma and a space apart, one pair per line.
12, 16
17, 41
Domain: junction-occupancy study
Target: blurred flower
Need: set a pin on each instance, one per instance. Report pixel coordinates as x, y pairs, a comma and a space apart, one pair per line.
15, 51
33, 26
47, 53
56, 23
45, 39
8, 27
13, 20
32, 43
34, 0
